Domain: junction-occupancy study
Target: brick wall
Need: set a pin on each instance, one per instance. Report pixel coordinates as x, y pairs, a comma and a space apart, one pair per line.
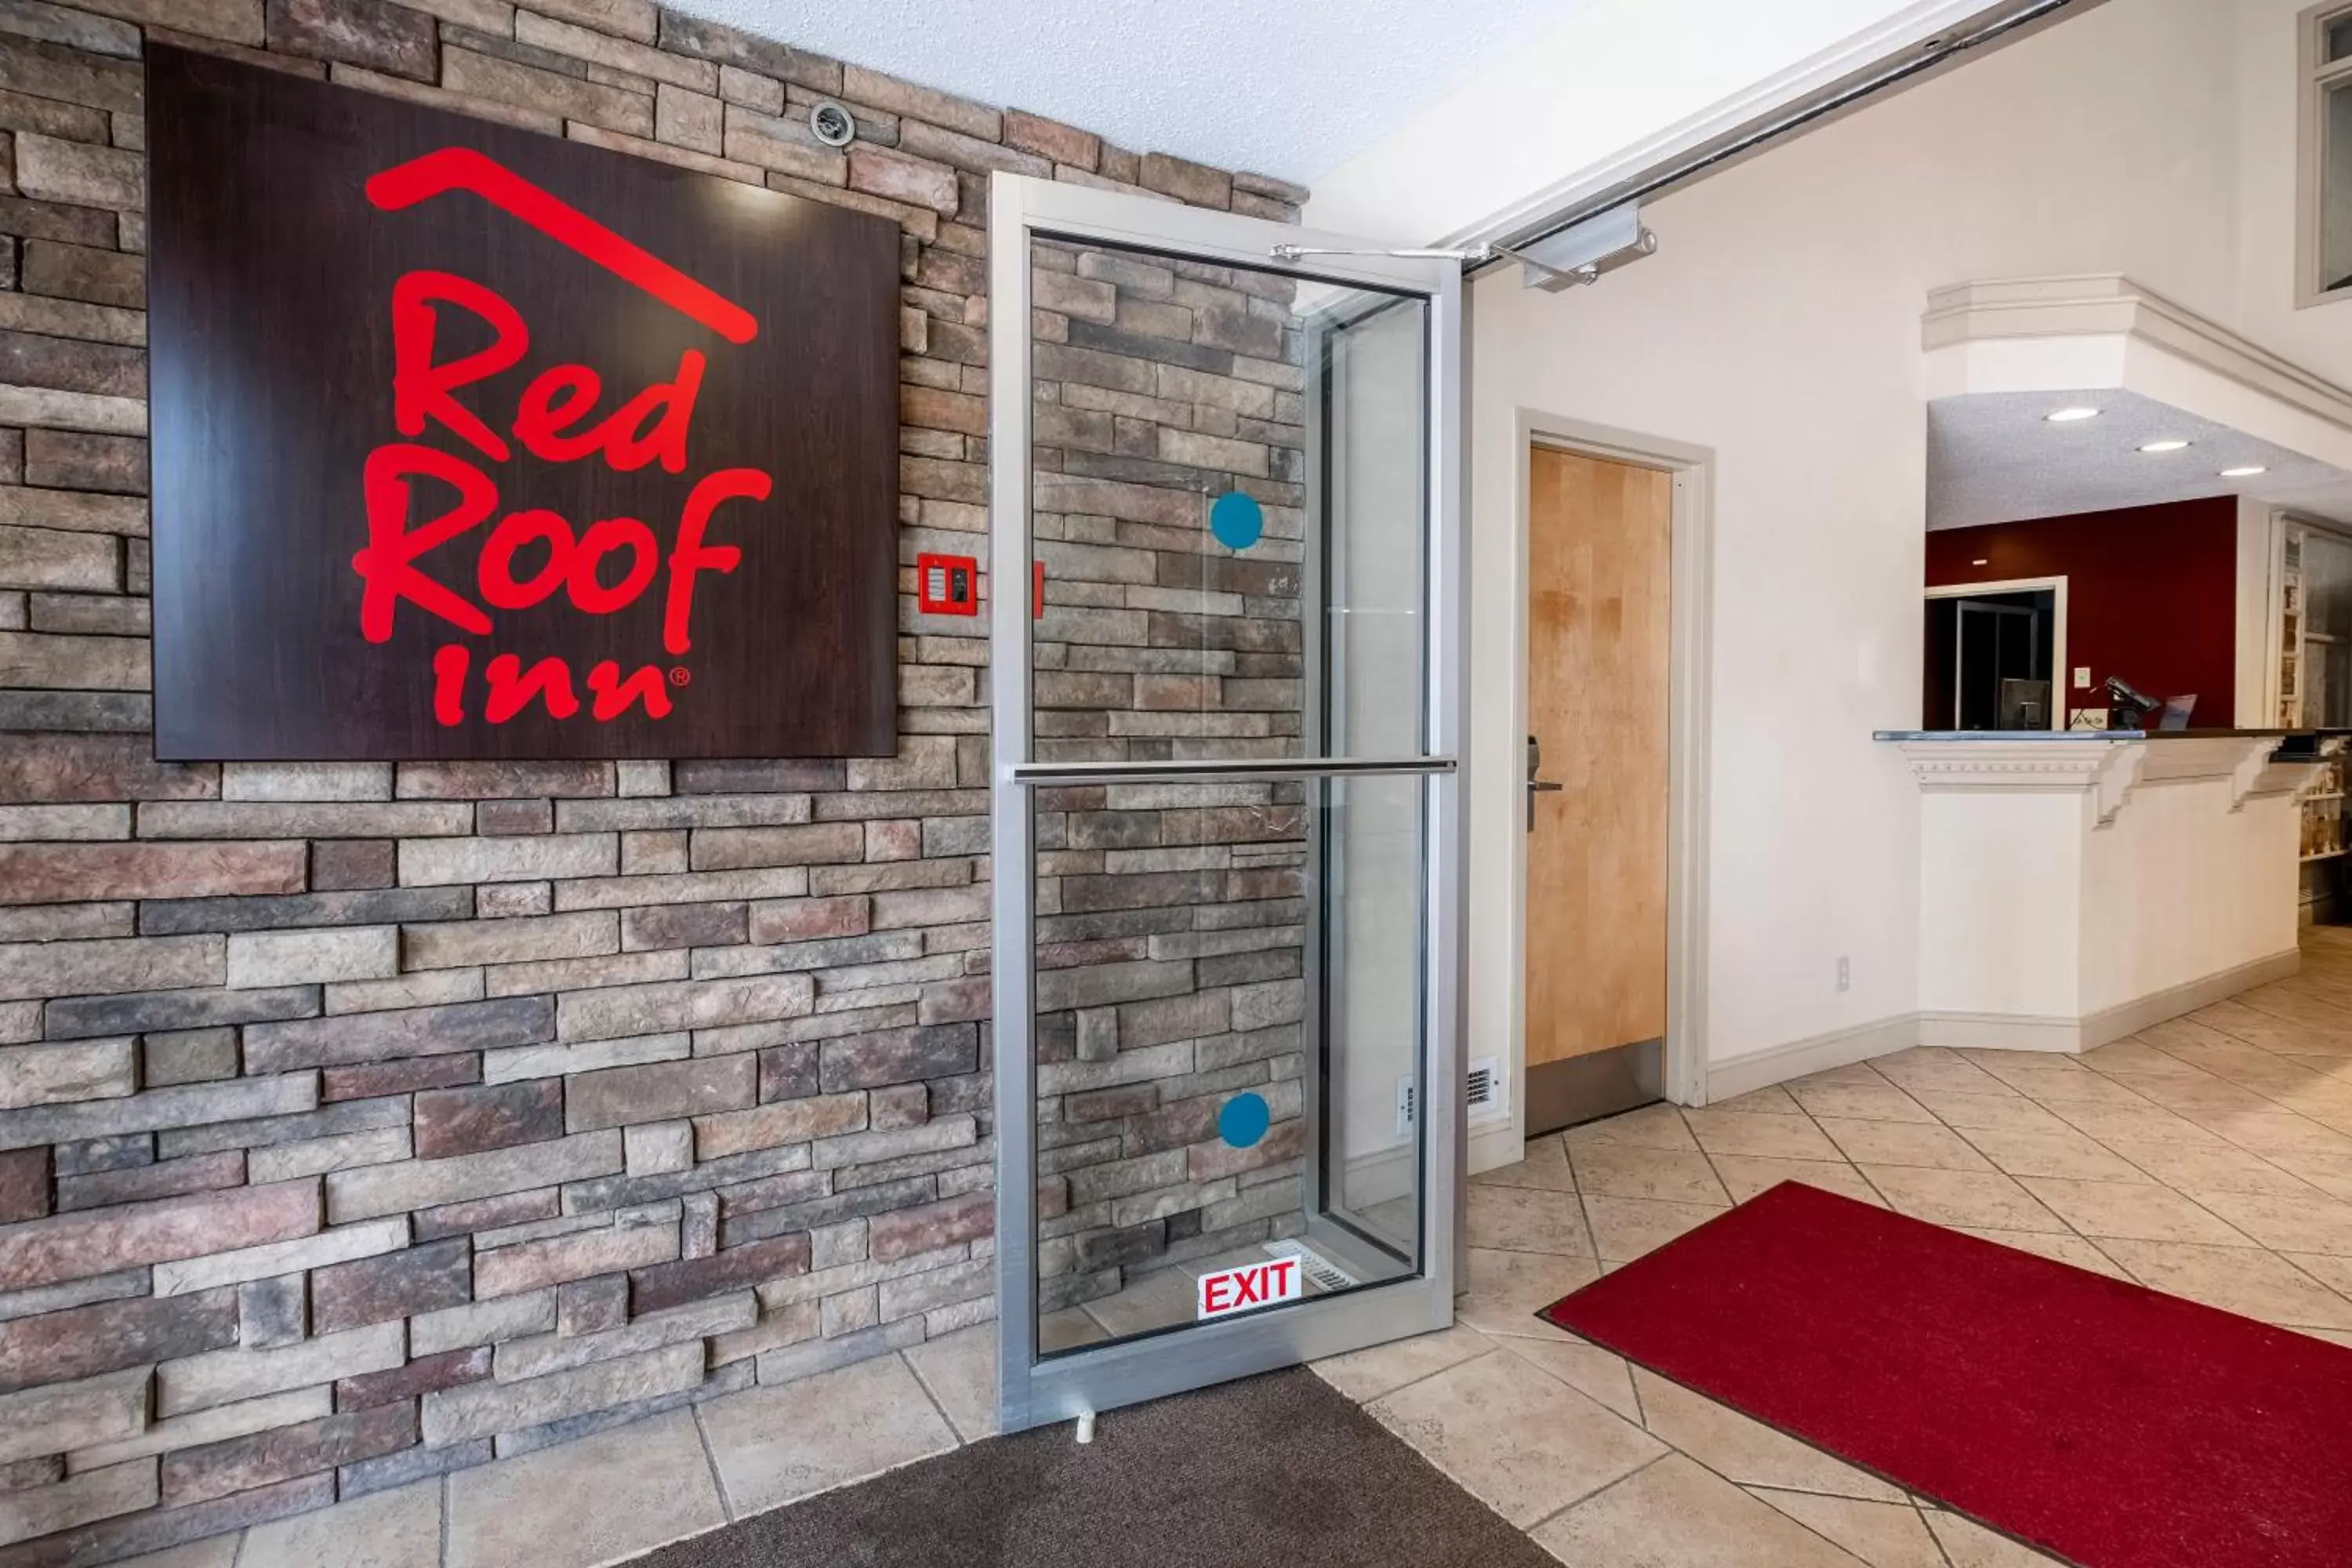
361, 1122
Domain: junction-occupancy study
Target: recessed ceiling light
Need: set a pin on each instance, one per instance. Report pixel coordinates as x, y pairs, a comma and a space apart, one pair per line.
2167, 445
1982, 563
2247, 472
2068, 416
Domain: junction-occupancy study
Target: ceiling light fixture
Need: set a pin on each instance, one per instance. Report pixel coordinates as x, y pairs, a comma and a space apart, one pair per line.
2246, 473
2165, 445
2068, 416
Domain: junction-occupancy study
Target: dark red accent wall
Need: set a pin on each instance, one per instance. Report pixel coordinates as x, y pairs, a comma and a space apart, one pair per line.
2151, 594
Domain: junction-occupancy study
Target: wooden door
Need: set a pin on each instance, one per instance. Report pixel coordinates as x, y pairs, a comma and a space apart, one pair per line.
1598, 662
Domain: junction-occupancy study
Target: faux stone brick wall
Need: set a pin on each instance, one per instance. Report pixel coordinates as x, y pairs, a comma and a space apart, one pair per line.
1170, 916
361, 1122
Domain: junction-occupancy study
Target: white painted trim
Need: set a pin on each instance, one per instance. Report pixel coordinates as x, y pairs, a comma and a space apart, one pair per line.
2093, 764
2130, 1018
2061, 677
2082, 332
2260, 534
2021, 1032
1994, 1031
1999, 1031
1816, 1053
1691, 621
1496, 1144
1378, 1176
2311, 77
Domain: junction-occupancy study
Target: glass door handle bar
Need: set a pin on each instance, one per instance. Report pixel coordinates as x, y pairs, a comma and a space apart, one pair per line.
1228, 768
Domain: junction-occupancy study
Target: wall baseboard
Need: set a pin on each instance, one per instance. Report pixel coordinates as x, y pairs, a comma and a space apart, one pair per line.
2016, 1032
1380, 1175
2114, 1023
1494, 1144
1818, 1053
2001, 1032
1994, 1031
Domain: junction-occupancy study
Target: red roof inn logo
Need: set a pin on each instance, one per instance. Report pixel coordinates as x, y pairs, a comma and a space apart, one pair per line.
471, 442
598, 569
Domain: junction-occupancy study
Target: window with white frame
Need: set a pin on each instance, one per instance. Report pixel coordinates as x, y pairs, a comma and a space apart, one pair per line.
2326, 153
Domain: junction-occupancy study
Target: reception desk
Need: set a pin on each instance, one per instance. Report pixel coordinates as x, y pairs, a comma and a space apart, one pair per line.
2075, 887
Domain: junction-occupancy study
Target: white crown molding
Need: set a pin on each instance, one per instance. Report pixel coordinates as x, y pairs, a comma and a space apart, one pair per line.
2105, 770
2291, 777
2102, 329
2243, 759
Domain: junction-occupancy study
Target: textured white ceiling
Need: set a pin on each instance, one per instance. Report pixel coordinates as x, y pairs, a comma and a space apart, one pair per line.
1993, 458
1283, 90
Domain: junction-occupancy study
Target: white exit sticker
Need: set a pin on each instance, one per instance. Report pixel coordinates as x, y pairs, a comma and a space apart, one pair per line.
1232, 1290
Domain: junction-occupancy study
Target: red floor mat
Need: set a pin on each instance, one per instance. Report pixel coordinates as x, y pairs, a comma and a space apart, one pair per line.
2102, 1422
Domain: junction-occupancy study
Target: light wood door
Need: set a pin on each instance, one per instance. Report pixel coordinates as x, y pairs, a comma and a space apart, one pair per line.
1598, 661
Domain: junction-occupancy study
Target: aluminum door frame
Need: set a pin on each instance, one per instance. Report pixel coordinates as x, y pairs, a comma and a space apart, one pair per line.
1032, 1391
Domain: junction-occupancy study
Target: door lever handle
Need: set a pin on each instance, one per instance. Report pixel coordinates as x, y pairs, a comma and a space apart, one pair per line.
1536, 786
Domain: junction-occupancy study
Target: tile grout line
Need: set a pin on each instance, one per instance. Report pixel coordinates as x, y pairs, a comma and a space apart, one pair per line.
1934, 1540
1491, 1348
1744, 1487
718, 1480
1752, 1487
442, 1559
1529, 1529
923, 1383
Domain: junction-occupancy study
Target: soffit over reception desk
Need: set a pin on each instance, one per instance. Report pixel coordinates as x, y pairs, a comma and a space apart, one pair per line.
2078, 885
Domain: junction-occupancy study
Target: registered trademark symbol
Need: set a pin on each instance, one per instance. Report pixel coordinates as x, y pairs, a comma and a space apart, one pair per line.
679, 675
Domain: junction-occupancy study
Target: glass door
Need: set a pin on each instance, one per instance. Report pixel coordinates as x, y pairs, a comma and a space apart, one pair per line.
1226, 650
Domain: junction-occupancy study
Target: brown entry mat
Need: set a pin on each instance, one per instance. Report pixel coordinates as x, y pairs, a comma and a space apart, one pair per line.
1279, 1471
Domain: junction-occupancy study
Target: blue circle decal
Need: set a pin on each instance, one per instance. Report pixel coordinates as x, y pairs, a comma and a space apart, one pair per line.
1236, 520
1243, 1120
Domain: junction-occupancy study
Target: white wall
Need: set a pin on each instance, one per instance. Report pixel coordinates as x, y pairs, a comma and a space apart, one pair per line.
1618, 80
1778, 325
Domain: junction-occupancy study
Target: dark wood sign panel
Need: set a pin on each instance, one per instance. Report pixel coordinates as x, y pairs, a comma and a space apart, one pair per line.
470, 442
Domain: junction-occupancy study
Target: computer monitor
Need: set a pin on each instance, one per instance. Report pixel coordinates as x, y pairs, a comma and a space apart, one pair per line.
2025, 704
2176, 712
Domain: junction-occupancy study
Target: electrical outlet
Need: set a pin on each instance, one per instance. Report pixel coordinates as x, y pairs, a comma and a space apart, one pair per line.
1845, 973
2082, 677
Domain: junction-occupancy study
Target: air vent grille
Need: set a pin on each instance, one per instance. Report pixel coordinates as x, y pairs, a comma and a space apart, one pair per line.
1320, 1270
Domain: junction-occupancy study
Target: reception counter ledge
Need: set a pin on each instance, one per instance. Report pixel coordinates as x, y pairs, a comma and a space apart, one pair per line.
2075, 887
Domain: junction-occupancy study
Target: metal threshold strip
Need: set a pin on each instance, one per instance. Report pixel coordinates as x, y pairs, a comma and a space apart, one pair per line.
1224, 768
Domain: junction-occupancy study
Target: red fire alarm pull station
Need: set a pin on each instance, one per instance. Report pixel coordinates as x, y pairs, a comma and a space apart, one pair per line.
950, 586
947, 585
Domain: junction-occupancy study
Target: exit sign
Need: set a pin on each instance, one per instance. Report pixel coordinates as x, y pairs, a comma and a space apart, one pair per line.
1230, 1290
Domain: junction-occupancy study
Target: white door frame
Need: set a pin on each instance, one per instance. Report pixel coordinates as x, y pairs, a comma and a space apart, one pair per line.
1692, 618
2061, 675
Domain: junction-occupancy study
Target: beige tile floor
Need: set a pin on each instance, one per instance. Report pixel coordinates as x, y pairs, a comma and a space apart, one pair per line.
2209, 1156
629, 1490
